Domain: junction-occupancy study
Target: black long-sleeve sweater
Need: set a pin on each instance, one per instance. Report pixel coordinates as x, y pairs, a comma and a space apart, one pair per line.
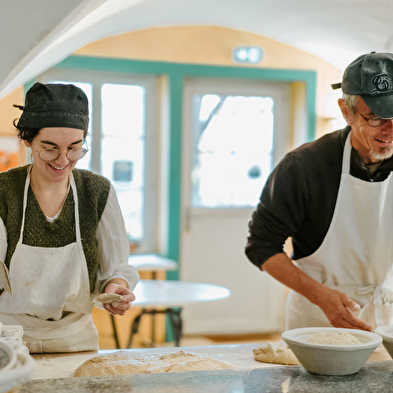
300, 195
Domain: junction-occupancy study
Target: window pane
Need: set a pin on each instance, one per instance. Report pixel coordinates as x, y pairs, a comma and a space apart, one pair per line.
123, 150
232, 149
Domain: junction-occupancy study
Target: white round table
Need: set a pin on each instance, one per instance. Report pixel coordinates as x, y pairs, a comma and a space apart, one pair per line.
168, 297
170, 293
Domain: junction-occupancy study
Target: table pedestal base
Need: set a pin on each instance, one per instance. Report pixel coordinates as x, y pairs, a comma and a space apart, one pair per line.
174, 318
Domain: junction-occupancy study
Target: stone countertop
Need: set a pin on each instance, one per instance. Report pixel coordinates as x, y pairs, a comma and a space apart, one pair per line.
240, 355
55, 373
373, 377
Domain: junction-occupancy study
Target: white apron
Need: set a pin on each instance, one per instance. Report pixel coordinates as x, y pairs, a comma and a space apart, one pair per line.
356, 255
51, 293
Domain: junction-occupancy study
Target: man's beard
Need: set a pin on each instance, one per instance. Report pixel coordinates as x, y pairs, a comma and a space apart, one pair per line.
383, 154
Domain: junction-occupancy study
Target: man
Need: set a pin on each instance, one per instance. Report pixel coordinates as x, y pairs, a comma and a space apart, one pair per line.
334, 198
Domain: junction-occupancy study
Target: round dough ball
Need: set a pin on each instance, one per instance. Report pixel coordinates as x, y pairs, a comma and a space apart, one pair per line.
126, 362
109, 298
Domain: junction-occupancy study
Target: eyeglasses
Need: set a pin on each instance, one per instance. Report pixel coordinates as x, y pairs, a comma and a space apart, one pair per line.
53, 154
374, 121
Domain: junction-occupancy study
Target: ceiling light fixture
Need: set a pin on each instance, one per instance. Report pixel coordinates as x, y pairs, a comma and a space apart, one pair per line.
247, 54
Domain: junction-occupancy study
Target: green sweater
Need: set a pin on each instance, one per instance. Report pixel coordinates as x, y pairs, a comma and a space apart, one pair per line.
93, 192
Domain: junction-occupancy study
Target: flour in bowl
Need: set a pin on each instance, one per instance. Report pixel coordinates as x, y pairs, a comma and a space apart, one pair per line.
333, 338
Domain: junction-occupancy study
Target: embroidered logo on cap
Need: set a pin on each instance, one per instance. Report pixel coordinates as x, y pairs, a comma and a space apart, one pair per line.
382, 83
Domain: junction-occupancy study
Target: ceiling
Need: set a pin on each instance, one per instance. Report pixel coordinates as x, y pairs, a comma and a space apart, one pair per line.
35, 38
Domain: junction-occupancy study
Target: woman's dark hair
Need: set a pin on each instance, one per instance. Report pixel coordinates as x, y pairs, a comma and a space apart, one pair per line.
28, 134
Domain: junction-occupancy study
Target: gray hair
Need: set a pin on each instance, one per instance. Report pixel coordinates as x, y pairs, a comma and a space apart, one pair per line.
351, 101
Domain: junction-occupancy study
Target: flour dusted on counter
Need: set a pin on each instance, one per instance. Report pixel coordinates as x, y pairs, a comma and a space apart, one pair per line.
269, 352
124, 362
333, 338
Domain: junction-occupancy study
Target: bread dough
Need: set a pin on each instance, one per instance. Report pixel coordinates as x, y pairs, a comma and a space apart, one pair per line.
109, 298
333, 338
279, 353
125, 362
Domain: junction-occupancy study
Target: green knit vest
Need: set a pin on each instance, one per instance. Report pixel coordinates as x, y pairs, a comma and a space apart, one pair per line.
93, 192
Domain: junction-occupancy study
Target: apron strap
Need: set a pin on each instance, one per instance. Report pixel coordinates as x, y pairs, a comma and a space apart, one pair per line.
347, 155
381, 297
76, 208
27, 183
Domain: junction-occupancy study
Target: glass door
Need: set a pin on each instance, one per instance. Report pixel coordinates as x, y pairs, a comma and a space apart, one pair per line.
123, 146
234, 132
122, 143
232, 152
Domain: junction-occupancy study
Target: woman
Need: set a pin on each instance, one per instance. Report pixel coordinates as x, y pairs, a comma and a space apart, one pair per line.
62, 235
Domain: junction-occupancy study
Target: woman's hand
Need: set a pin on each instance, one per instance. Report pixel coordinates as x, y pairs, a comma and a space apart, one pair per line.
119, 307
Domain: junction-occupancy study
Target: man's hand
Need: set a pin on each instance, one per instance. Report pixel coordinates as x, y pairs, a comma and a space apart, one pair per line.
337, 307
119, 308
333, 303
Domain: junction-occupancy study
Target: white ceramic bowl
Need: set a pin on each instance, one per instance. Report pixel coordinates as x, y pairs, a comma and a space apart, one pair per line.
331, 359
386, 332
7, 357
11, 380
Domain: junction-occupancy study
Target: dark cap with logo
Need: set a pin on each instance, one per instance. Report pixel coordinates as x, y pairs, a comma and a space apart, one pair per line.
55, 105
370, 76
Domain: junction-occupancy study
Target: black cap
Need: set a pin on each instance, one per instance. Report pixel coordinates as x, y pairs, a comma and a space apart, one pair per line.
55, 105
370, 76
